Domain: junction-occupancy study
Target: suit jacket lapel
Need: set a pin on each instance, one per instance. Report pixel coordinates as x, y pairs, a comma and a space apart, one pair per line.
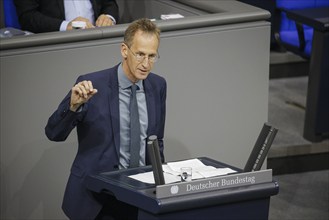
150, 102
95, 8
114, 107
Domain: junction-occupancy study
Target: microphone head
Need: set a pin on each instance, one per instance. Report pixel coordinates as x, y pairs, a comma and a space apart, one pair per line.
153, 138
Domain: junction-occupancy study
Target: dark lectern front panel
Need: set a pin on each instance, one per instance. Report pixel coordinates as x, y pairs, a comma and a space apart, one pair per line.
256, 209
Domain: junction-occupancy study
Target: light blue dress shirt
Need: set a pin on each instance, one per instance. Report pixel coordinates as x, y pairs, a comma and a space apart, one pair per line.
124, 102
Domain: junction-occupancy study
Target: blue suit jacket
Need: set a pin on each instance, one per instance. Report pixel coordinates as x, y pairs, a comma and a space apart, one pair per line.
98, 131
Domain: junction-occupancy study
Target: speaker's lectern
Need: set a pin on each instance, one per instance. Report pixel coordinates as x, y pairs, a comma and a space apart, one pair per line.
242, 195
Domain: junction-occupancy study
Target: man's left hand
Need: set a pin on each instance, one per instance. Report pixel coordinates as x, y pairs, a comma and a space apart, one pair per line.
104, 20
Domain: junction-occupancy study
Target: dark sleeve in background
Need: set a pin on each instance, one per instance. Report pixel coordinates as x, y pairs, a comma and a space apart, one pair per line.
2, 17
109, 7
39, 16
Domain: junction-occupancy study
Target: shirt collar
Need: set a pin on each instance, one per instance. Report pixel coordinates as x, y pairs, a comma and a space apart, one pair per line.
124, 82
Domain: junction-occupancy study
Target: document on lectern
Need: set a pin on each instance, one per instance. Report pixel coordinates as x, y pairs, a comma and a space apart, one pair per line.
171, 171
149, 178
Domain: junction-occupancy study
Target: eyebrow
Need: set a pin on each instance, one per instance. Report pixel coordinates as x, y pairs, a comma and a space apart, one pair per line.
151, 54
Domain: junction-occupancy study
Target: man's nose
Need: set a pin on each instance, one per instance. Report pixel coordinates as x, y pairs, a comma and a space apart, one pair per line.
146, 61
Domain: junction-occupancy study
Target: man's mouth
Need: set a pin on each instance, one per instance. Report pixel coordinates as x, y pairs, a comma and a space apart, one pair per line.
143, 71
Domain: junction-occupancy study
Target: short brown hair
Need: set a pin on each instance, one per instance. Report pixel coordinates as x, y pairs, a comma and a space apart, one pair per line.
142, 24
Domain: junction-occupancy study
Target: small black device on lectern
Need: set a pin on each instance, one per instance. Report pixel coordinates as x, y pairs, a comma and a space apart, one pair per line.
261, 148
154, 153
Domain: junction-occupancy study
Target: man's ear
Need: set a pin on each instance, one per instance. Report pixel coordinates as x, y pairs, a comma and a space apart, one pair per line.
124, 51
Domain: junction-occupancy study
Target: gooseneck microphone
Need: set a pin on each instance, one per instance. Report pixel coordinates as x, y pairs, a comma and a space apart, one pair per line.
154, 153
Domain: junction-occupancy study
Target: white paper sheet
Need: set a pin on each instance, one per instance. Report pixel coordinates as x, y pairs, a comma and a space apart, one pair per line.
216, 172
148, 177
171, 171
171, 16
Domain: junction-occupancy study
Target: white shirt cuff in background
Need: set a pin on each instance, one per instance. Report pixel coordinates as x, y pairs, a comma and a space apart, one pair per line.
63, 26
112, 18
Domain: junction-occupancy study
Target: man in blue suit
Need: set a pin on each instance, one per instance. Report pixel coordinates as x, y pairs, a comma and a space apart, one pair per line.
98, 105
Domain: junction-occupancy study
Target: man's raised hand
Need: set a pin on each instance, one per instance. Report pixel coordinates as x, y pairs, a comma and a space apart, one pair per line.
81, 93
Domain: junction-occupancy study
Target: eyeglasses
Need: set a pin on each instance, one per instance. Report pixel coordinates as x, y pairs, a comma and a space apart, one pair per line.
140, 57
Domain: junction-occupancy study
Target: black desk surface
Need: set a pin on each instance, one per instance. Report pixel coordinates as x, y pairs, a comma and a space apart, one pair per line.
142, 195
318, 18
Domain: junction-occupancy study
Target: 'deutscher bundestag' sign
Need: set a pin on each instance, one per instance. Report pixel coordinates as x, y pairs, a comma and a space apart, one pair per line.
215, 183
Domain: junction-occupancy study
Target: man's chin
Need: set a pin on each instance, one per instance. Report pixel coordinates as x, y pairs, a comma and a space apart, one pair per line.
142, 76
